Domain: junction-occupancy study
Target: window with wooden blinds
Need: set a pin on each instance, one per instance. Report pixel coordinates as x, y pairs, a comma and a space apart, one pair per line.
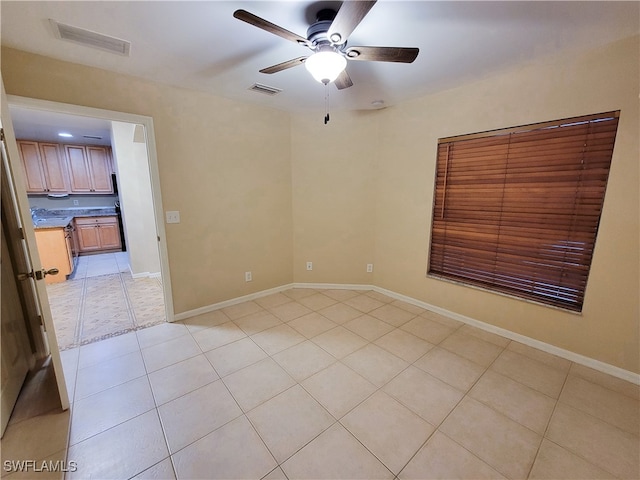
517, 210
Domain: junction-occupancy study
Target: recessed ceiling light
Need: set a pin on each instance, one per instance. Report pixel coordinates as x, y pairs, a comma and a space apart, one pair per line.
65, 135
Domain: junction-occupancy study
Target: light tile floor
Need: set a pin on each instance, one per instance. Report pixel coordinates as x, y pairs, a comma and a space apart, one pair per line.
341, 384
102, 300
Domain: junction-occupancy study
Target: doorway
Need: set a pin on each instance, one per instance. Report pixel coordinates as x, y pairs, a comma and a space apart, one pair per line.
106, 296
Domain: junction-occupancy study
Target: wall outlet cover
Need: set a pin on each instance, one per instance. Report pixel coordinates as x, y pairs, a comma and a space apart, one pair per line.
309, 265
173, 216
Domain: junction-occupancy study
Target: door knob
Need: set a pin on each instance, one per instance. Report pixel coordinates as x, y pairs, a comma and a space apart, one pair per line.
51, 271
39, 274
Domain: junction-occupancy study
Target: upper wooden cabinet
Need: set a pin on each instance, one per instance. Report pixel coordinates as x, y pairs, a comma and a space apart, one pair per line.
89, 169
44, 167
55, 168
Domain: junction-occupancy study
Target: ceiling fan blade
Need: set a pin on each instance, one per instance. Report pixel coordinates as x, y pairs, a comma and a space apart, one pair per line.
284, 65
256, 21
382, 54
347, 19
343, 81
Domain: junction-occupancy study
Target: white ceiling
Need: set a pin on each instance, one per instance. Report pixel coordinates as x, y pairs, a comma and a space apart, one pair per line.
44, 126
199, 45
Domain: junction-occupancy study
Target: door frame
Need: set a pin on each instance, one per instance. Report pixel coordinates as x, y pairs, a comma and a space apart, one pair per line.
152, 158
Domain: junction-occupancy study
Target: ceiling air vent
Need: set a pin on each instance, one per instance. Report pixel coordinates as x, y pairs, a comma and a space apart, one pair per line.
265, 89
91, 39
92, 137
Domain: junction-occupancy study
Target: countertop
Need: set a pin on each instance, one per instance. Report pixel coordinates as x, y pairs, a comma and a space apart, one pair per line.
60, 218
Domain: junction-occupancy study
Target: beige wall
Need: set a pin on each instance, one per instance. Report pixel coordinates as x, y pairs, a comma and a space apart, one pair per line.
602, 81
378, 172
359, 190
224, 165
333, 169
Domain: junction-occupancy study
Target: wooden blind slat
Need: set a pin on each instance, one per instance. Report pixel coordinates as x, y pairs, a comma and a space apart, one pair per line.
518, 210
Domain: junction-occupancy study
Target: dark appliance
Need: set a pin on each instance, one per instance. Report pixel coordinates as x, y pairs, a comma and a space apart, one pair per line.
120, 224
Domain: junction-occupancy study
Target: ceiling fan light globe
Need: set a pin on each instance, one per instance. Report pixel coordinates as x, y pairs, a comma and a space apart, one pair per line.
325, 66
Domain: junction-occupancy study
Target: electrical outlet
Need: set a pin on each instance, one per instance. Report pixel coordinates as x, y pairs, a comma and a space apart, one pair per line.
247, 276
369, 267
173, 217
309, 265
76, 203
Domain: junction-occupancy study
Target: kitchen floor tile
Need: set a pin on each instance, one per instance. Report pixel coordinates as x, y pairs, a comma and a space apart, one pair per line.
196, 414
364, 303
375, 364
404, 345
239, 310
612, 407
472, 348
529, 372
257, 383
554, 462
340, 313
107, 374
232, 451
109, 454
602, 444
278, 338
450, 368
312, 324
396, 434
257, 322
339, 342
215, 337
445, 459
317, 301
289, 421
368, 327
180, 378
516, 401
288, 311
335, 454
206, 320
504, 444
235, 356
425, 395
338, 388
303, 360
99, 412
428, 330
392, 315
167, 353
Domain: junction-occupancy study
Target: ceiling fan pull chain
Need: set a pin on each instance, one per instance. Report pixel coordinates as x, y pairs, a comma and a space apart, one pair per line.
326, 103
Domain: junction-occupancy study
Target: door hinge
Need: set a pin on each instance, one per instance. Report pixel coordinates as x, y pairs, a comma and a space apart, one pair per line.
21, 233
40, 320
1, 134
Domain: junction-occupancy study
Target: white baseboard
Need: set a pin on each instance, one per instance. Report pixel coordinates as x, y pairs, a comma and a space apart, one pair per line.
146, 275
531, 342
228, 303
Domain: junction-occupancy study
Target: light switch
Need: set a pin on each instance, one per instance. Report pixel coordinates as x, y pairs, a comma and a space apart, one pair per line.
173, 217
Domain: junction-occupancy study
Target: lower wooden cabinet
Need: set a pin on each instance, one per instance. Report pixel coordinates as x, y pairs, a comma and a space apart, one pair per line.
54, 248
98, 234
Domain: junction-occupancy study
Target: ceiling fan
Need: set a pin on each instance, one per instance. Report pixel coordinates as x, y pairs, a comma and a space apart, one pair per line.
327, 39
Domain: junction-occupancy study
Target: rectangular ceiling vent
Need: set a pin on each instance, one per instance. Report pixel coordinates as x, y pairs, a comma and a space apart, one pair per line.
265, 89
91, 39
92, 137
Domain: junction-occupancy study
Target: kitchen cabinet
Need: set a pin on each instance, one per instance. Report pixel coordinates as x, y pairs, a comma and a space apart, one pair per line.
56, 251
44, 167
89, 169
97, 234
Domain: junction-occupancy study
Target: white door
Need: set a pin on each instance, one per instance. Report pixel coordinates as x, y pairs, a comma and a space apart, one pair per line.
24, 253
